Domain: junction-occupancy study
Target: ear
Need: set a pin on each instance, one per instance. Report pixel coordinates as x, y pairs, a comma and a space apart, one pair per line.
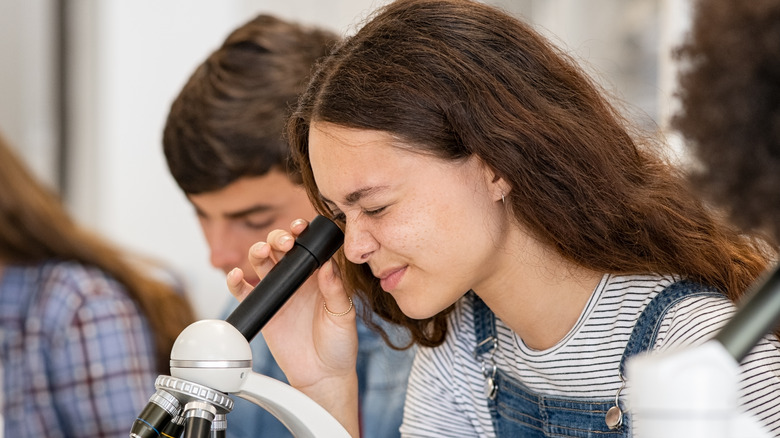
499, 188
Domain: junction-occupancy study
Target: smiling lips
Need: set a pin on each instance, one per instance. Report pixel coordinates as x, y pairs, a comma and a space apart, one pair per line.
390, 280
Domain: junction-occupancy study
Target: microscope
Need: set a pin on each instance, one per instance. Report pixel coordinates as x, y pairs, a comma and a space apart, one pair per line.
212, 358
685, 393
693, 392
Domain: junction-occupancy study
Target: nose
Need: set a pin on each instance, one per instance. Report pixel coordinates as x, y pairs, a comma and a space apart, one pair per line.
224, 253
223, 258
359, 243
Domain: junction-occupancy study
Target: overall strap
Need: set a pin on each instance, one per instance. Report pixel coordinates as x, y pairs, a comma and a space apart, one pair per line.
645, 331
486, 347
484, 326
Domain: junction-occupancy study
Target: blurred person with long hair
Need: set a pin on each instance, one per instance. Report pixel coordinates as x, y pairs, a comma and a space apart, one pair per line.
85, 329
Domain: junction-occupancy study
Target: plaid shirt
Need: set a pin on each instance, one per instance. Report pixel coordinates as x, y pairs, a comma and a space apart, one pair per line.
77, 355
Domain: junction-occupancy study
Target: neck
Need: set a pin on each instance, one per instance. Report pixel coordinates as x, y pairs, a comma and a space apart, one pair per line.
538, 294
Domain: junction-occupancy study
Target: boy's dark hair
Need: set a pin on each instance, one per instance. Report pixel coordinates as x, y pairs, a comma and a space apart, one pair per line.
228, 120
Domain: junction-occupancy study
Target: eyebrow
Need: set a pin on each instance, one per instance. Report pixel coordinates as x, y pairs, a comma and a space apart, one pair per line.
353, 197
260, 208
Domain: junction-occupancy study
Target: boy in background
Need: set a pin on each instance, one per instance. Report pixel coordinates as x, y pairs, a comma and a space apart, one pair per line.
224, 145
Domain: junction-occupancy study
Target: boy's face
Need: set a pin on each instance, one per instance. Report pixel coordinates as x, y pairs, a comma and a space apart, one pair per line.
244, 212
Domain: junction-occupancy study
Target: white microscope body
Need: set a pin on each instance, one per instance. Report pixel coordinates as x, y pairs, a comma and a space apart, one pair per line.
212, 358
214, 354
693, 392
689, 393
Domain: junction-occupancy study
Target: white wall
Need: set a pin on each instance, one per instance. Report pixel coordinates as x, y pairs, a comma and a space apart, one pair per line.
130, 58
27, 76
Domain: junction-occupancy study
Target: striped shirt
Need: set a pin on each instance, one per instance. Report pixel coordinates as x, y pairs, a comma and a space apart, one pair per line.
78, 356
445, 396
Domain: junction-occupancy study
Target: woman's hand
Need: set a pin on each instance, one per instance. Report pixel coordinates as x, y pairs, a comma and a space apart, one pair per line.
316, 349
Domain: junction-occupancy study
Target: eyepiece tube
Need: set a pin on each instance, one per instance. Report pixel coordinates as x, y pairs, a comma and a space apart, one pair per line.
313, 247
757, 316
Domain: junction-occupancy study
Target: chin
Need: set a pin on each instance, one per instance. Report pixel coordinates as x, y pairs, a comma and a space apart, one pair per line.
416, 306
414, 310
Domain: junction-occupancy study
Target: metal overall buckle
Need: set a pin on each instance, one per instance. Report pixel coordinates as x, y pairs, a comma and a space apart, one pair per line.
614, 417
489, 369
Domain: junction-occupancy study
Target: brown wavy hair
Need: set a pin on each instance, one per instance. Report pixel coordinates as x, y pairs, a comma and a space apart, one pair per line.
730, 108
228, 120
35, 227
456, 79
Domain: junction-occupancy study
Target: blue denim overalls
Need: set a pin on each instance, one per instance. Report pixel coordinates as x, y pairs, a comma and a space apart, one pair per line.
519, 412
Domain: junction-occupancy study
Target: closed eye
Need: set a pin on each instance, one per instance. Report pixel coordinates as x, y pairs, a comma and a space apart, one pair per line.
259, 225
374, 212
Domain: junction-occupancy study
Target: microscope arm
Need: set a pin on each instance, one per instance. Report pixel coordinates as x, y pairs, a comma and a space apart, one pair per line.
304, 417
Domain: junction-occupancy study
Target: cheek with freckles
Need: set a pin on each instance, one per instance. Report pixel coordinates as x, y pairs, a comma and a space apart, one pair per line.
420, 232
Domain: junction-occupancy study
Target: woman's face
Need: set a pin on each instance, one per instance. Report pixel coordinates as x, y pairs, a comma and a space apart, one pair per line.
427, 228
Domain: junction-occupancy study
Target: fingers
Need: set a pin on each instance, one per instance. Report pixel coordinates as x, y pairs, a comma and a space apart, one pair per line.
264, 255
297, 226
236, 284
279, 242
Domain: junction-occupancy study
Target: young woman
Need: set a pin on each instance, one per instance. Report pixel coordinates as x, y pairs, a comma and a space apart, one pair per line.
85, 330
499, 208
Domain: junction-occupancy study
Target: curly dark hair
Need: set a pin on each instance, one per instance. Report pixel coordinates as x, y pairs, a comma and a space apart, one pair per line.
730, 95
